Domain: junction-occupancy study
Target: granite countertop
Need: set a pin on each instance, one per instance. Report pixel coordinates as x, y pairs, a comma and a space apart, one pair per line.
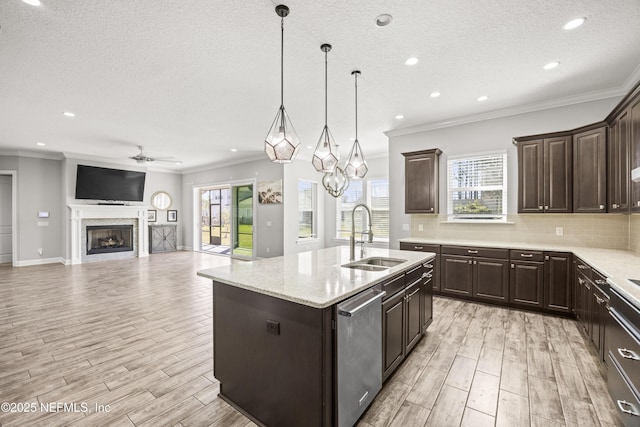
316, 278
618, 265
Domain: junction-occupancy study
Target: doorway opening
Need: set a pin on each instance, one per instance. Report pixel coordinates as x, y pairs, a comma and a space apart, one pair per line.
226, 220
8, 212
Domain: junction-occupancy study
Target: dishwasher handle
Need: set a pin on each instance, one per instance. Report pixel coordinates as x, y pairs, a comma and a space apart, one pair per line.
348, 312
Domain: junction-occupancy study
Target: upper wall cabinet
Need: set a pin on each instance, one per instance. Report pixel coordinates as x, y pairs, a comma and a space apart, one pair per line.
544, 175
619, 176
421, 181
634, 121
590, 170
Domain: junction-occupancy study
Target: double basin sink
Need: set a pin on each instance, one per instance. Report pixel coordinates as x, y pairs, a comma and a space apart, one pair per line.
374, 263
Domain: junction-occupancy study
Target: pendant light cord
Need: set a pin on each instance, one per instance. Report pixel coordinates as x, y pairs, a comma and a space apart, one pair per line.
325, 88
281, 62
356, 74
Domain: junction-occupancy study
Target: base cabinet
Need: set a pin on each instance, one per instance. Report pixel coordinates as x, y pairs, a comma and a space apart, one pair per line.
163, 238
527, 282
403, 317
457, 275
557, 282
434, 263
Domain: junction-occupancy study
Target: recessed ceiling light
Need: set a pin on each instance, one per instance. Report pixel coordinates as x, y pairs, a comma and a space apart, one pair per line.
551, 65
352, 139
483, 98
399, 117
69, 114
178, 163
40, 144
234, 149
574, 23
383, 20
309, 147
32, 2
412, 61
435, 94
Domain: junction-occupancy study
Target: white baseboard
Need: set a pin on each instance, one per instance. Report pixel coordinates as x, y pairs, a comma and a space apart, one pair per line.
185, 248
29, 262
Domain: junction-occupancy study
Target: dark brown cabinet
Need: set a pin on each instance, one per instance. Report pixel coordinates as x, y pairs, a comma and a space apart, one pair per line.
634, 130
402, 318
392, 333
433, 264
421, 181
557, 282
527, 278
619, 175
544, 175
481, 273
590, 171
427, 295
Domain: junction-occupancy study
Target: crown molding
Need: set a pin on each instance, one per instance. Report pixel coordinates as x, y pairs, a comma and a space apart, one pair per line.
209, 166
32, 154
520, 109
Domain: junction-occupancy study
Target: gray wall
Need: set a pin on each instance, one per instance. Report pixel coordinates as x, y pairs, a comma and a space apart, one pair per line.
39, 189
267, 237
488, 135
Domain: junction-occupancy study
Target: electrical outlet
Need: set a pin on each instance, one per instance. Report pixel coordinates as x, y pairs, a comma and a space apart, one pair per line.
405, 227
559, 231
273, 327
40, 251
267, 250
420, 227
268, 223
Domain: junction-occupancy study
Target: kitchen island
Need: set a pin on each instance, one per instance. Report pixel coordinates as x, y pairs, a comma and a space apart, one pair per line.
274, 320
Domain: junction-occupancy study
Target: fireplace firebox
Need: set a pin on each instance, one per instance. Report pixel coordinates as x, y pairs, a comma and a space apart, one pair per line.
102, 239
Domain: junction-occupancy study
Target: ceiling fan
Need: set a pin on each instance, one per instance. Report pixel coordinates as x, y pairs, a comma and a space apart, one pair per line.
143, 157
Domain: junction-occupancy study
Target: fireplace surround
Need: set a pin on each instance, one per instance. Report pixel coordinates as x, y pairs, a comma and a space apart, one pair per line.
103, 215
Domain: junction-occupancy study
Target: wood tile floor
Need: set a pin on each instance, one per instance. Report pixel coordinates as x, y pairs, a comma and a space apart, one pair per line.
136, 335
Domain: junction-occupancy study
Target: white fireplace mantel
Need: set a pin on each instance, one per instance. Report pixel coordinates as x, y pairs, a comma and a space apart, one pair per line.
80, 212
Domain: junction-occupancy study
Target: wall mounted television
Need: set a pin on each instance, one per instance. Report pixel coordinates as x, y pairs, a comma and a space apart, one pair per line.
94, 183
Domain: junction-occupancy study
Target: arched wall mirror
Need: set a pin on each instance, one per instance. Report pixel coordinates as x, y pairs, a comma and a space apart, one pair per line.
161, 200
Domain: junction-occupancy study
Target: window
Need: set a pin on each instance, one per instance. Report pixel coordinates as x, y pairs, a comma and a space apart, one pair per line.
307, 221
477, 187
373, 192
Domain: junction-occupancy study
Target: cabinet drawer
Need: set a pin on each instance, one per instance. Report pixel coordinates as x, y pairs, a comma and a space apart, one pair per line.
583, 268
481, 252
392, 286
523, 255
600, 281
624, 348
414, 274
624, 399
408, 246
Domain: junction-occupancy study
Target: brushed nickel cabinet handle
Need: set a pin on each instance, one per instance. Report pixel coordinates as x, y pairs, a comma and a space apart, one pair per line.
601, 282
539, 208
601, 207
581, 281
546, 208
471, 252
418, 248
614, 206
475, 262
526, 255
429, 265
628, 354
599, 300
630, 411
513, 266
583, 267
546, 258
431, 209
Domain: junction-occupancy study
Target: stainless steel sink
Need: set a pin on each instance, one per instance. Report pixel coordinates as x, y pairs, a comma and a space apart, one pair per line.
374, 263
384, 262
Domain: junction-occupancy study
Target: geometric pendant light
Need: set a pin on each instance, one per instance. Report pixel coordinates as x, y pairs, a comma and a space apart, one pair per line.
335, 182
326, 155
281, 144
356, 167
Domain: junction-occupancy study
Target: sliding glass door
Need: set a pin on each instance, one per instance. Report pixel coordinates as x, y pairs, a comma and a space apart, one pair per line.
226, 220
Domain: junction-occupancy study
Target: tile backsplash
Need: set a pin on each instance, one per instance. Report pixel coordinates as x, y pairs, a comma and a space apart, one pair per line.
634, 232
611, 231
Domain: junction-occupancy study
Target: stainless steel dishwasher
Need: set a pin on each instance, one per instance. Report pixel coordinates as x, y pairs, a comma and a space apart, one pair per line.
359, 342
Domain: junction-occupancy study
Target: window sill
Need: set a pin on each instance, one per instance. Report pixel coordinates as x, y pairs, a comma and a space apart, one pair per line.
339, 239
306, 240
476, 221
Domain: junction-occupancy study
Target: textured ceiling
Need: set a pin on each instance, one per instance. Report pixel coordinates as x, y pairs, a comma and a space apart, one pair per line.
194, 79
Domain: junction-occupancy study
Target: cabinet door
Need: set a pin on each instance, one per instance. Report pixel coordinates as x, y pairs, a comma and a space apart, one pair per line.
557, 282
590, 171
421, 181
392, 336
634, 140
584, 306
413, 322
619, 175
456, 275
597, 333
557, 175
530, 176
526, 284
491, 279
